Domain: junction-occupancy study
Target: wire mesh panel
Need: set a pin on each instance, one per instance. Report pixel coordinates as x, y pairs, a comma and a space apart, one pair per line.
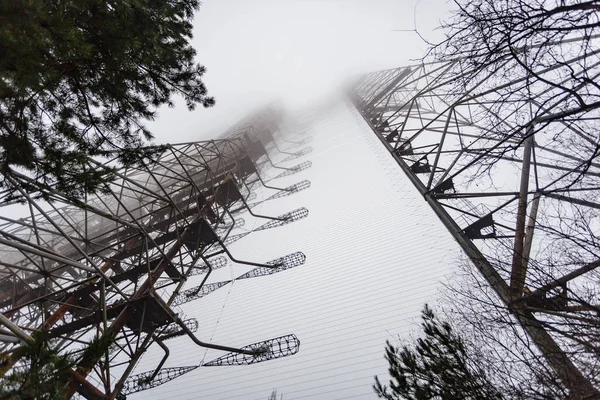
197, 292
146, 380
112, 265
278, 265
262, 351
285, 219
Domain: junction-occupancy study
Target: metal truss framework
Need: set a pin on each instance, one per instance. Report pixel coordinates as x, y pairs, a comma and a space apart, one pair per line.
115, 264
262, 351
494, 186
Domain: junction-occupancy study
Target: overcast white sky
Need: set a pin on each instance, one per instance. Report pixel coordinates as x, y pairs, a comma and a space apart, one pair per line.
294, 50
258, 51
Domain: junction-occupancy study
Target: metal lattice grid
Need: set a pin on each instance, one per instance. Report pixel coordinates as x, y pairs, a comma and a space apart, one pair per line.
114, 263
493, 187
262, 351
275, 266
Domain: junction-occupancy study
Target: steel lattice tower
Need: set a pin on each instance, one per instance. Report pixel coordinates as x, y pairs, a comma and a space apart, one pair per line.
494, 187
115, 264
118, 263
